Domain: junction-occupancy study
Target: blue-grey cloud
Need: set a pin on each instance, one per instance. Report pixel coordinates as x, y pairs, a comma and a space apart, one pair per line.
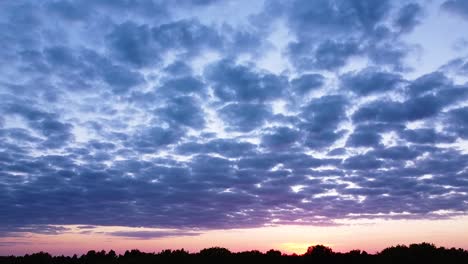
458, 7
132, 43
364, 136
280, 137
224, 147
330, 33
328, 55
151, 114
239, 83
426, 136
369, 81
363, 162
183, 110
306, 83
415, 108
150, 234
320, 120
186, 85
408, 17
459, 123
429, 82
245, 116
458, 65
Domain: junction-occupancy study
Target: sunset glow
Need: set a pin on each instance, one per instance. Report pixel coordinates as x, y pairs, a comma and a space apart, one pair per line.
372, 235
241, 124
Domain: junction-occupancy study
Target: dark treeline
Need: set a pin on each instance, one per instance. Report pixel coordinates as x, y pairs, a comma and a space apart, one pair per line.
415, 253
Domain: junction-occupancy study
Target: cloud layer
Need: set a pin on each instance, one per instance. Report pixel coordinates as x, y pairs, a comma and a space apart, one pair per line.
139, 113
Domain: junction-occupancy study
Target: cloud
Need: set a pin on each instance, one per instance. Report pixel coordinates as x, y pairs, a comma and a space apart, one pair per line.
426, 136
245, 117
56, 133
408, 17
132, 43
189, 36
183, 110
224, 147
306, 83
362, 162
458, 7
413, 109
11, 231
328, 55
339, 16
429, 82
75, 11
364, 136
238, 83
329, 34
158, 115
150, 234
458, 65
459, 124
324, 113
186, 85
320, 120
369, 81
280, 137
397, 153
150, 138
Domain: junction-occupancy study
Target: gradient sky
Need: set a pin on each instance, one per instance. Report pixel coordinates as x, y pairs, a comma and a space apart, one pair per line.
245, 124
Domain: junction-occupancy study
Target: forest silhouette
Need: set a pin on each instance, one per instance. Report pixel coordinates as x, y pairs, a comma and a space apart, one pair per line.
415, 253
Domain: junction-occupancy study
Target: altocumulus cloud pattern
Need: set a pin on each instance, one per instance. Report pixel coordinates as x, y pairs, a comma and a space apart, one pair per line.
225, 114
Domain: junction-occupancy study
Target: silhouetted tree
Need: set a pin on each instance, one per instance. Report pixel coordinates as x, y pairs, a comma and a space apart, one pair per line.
319, 251
273, 253
215, 252
415, 253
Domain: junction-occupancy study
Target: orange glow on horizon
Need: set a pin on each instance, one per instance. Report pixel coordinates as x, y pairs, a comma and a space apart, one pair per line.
369, 235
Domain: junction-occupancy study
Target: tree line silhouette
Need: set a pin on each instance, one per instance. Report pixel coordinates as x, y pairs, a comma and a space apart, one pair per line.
415, 253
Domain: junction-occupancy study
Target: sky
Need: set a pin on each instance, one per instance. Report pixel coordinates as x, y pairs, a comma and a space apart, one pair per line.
245, 124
